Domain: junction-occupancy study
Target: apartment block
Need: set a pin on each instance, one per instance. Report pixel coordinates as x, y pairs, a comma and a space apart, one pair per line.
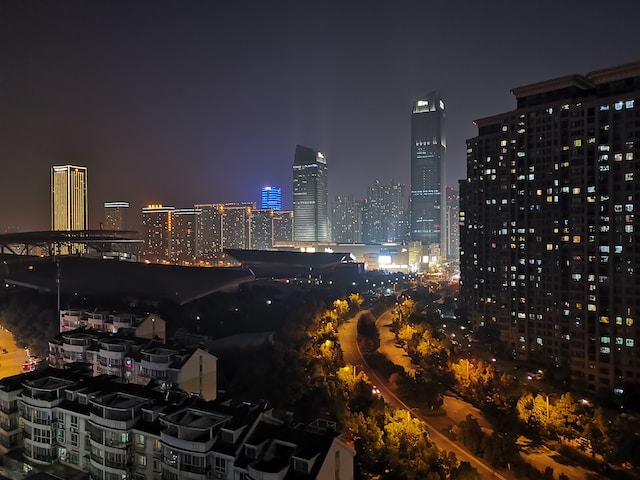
549, 234
119, 431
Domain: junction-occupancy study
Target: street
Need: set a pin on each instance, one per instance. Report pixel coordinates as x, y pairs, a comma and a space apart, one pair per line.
10, 362
347, 335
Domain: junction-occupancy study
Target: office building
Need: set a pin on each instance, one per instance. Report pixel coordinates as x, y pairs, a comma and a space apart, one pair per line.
69, 207
346, 220
157, 233
384, 214
184, 235
428, 148
271, 198
549, 234
310, 196
115, 215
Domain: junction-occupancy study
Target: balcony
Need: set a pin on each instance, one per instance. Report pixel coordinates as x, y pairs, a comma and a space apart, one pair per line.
40, 457
203, 443
268, 470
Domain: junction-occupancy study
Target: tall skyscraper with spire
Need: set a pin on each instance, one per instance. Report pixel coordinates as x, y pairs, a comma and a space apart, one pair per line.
69, 207
310, 196
428, 147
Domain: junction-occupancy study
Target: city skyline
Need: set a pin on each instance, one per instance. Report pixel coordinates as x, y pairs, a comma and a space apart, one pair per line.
163, 101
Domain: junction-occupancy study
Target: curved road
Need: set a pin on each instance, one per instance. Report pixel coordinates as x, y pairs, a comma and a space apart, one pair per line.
347, 336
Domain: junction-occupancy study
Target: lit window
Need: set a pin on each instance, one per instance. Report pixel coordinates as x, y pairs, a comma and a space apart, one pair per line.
628, 104
605, 349
628, 156
619, 341
604, 108
628, 177
629, 321
629, 342
605, 339
618, 105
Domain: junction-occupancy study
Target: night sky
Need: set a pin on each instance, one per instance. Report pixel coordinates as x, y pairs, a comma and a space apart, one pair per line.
189, 102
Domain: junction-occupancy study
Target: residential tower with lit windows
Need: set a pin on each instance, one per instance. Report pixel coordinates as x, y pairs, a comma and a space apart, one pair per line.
550, 242
115, 215
157, 233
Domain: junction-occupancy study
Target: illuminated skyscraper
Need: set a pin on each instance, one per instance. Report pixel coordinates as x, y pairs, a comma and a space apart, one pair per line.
69, 207
157, 233
310, 196
271, 198
115, 215
549, 231
428, 147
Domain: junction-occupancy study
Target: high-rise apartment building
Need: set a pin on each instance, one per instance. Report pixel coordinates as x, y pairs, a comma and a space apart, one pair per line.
384, 214
346, 220
184, 235
157, 233
236, 224
451, 228
549, 234
262, 229
428, 147
283, 222
310, 196
69, 207
271, 198
208, 231
115, 215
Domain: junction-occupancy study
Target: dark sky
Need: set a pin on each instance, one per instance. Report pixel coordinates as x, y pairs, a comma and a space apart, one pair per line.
189, 102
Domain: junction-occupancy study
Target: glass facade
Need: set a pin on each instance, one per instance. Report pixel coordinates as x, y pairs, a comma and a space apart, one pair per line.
428, 147
310, 196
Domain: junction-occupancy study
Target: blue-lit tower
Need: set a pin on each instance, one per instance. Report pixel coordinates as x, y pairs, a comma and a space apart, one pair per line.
271, 198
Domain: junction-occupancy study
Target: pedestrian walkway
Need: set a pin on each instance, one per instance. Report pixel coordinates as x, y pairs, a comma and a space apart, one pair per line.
388, 346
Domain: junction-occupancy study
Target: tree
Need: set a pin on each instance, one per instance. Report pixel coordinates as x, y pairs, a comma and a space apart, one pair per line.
368, 335
409, 450
355, 302
465, 472
471, 435
366, 436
